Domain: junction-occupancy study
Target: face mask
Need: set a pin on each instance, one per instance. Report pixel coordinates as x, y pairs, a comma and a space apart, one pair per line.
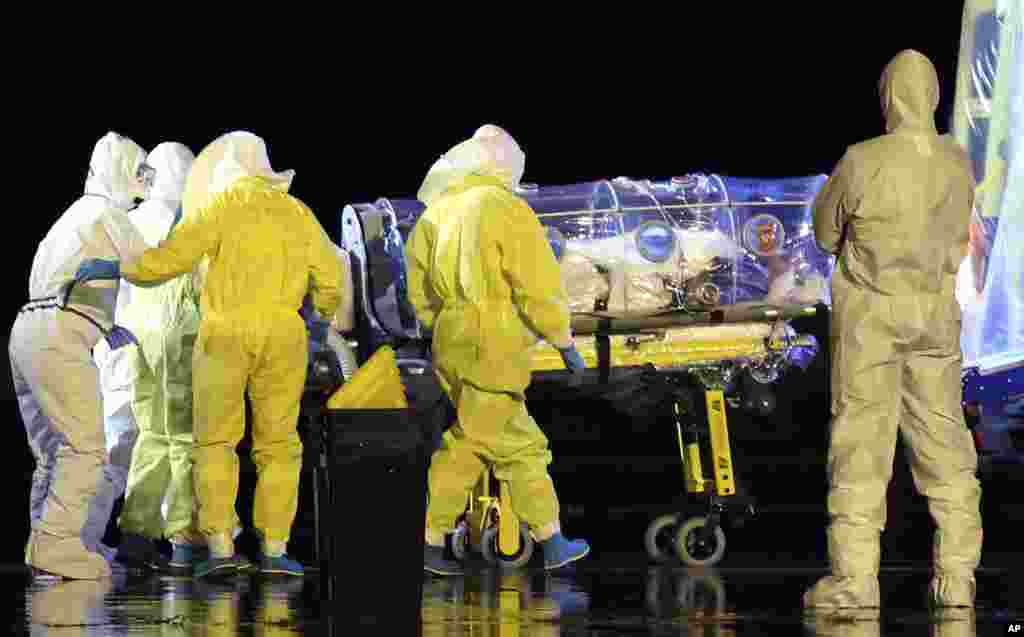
146, 175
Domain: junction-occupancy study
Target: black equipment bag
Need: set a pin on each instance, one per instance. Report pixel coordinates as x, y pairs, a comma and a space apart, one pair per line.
374, 516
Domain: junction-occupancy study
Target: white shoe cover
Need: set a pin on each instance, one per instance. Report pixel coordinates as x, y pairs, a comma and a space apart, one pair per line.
844, 592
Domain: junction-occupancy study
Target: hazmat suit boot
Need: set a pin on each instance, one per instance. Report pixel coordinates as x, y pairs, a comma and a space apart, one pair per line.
559, 552
222, 560
275, 562
184, 556
140, 552
951, 591
838, 592
65, 557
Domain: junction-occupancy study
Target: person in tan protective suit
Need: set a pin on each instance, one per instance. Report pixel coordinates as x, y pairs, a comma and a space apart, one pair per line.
896, 212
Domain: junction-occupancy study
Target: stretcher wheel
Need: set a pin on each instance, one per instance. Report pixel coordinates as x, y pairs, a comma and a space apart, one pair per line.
493, 555
689, 548
659, 540
460, 543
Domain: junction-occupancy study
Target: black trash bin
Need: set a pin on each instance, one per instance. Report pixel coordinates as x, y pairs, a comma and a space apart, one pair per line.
374, 514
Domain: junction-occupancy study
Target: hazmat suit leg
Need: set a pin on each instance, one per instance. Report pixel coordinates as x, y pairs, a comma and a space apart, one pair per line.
866, 369
180, 521
266, 350
58, 387
943, 459
121, 435
493, 429
220, 367
150, 471
43, 440
275, 390
159, 500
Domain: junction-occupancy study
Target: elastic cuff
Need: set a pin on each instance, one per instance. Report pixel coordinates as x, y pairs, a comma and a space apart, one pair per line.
221, 545
546, 532
187, 538
274, 549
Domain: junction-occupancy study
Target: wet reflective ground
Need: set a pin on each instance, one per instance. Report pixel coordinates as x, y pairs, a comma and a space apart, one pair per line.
612, 595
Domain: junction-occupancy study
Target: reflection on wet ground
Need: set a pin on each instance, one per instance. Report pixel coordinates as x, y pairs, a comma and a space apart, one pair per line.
610, 596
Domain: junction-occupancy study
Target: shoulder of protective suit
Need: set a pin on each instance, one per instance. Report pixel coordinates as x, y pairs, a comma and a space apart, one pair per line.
958, 152
866, 147
248, 189
498, 195
503, 202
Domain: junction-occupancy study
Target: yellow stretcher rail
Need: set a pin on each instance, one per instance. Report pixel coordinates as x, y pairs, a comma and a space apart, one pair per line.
678, 347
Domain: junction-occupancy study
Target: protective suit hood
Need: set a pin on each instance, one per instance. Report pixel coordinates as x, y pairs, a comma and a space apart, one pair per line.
113, 170
245, 155
909, 92
225, 160
171, 161
491, 152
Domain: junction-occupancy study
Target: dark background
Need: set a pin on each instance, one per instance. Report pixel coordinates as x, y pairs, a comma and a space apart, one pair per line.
362, 113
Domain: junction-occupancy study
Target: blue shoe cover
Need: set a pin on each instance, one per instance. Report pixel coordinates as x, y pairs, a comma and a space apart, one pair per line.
559, 551
283, 565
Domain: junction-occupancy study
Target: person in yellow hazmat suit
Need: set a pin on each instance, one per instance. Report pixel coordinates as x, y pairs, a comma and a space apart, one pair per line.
165, 319
266, 252
896, 212
484, 280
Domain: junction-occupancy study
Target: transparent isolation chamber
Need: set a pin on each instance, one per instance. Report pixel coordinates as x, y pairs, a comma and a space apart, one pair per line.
639, 247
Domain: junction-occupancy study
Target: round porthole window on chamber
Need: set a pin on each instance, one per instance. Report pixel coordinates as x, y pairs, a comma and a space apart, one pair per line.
656, 241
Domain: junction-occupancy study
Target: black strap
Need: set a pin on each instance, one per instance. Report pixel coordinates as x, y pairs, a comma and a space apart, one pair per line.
51, 303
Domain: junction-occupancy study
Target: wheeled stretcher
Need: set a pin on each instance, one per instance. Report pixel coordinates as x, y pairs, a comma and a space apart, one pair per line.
696, 279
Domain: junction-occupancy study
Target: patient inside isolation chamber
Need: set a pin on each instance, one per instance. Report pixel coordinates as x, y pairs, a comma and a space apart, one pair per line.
614, 276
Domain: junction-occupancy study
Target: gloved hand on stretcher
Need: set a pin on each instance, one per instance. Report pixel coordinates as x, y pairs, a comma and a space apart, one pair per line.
574, 363
573, 359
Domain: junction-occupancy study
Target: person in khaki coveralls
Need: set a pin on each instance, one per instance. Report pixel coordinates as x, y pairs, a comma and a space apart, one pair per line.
896, 212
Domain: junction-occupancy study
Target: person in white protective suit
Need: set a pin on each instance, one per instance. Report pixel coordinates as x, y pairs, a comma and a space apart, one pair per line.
165, 320
55, 378
896, 211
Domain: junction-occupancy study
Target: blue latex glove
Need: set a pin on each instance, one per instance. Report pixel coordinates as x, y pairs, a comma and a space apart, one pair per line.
98, 269
119, 336
317, 327
317, 330
573, 359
